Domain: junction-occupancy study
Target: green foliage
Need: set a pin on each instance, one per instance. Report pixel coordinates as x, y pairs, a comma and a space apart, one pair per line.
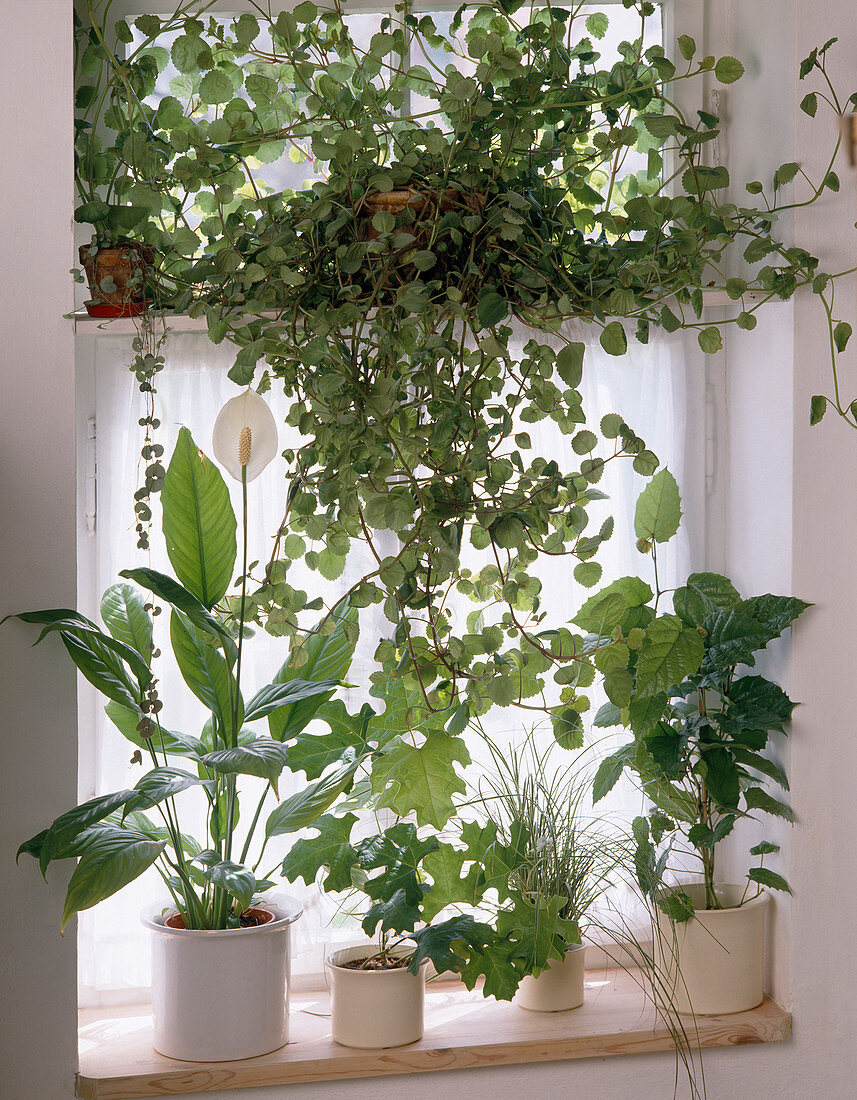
113, 839
371, 313
701, 726
199, 524
421, 779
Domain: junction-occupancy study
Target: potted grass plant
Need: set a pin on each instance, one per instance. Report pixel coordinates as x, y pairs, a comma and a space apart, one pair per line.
221, 949
565, 858
703, 725
528, 854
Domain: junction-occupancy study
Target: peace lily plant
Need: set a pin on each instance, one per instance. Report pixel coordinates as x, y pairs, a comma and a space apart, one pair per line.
118, 836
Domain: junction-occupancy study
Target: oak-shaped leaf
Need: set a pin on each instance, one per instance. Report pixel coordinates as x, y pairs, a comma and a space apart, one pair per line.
446, 944
421, 780
331, 850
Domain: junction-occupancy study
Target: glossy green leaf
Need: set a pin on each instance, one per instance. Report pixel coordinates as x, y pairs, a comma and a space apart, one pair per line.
125, 616
757, 799
199, 524
264, 758
103, 670
278, 695
235, 879
110, 858
658, 512
702, 595
447, 944
306, 806
765, 877
51, 843
185, 601
161, 783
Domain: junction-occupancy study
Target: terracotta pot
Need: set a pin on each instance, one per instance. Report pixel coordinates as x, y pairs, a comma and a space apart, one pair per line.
372, 1009
559, 987
715, 962
218, 996
424, 205
126, 264
396, 202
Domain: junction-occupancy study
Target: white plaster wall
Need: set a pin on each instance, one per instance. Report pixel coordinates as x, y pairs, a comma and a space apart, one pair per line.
792, 486
38, 751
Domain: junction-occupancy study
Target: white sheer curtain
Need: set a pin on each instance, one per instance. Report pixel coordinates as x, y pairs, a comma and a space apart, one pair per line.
647, 387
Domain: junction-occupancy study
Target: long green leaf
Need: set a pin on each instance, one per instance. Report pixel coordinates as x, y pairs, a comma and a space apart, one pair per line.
108, 648
161, 783
328, 658
178, 596
277, 695
102, 669
110, 858
125, 616
264, 758
206, 673
72, 823
234, 878
304, 807
199, 524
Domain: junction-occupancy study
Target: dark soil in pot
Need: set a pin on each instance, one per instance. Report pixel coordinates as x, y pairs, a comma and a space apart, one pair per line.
250, 918
377, 962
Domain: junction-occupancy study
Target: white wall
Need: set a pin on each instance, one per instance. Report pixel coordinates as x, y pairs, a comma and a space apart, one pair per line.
38, 751
792, 487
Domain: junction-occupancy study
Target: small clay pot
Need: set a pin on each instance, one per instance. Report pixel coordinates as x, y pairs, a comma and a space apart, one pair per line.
422, 203
126, 264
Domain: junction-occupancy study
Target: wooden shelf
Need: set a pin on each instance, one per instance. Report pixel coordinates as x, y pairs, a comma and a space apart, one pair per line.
463, 1030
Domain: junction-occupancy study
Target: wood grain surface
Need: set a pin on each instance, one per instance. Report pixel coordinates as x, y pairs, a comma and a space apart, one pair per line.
462, 1030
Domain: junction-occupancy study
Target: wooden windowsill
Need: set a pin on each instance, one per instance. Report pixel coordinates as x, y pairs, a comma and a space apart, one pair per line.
463, 1030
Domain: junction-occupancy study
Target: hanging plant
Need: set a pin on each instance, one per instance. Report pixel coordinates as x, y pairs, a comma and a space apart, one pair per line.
461, 181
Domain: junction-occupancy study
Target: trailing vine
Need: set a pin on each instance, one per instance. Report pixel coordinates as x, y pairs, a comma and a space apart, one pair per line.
468, 181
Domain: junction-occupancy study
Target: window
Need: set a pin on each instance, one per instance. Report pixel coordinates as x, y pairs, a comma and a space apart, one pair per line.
650, 387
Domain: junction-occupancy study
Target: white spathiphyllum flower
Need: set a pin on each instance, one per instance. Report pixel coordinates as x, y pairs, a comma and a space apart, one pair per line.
245, 435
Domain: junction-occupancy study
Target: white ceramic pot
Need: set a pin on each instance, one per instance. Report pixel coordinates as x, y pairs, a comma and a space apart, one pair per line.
218, 996
371, 1009
715, 962
558, 988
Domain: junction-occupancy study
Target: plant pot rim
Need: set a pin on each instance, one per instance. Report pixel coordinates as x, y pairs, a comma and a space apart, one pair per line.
754, 901
370, 948
286, 911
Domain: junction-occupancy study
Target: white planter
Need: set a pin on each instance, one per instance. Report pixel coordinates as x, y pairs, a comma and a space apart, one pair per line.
218, 996
558, 988
715, 962
371, 1009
